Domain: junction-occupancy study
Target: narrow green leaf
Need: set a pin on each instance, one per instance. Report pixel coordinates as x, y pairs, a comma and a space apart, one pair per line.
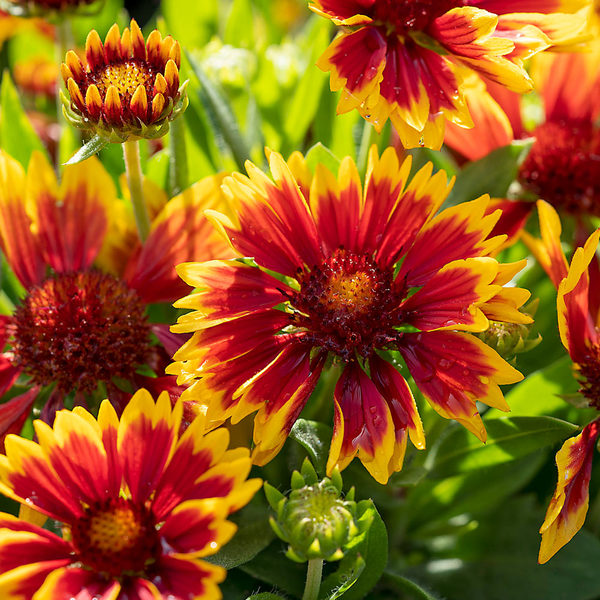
315, 438
409, 588
373, 550
339, 582
491, 175
509, 438
219, 110
539, 393
90, 148
321, 154
265, 596
17, 136
239, 30
253, 535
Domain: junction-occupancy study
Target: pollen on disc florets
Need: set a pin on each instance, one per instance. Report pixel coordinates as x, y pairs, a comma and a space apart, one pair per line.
563, 167
128, 88
78, 329
347, 304
116, 537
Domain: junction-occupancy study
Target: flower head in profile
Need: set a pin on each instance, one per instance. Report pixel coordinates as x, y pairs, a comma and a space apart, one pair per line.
405, 60
81, 325
139, 505
578, 304
128, 88
363, 278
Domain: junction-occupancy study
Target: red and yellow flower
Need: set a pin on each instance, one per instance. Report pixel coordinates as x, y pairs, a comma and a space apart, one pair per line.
78, 326
126, 88
138, 503
51, 8
365, 278
562, 166
406, 60
578, 303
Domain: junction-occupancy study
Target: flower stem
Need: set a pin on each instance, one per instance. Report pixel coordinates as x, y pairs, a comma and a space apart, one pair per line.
178, 166
313, 579
133, 168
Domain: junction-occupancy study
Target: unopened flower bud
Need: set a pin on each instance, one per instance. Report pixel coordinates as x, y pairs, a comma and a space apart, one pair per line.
314, 520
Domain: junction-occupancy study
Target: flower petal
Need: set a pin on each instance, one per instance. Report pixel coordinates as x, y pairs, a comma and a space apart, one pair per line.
568, 507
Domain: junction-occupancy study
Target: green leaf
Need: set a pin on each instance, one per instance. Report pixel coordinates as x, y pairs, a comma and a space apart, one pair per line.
17, 136
221, 114
509, 438
373, 549
190, 22
339, 582
539, 393
239, 30
321, 154
497, 560
315, 438
433, 502
491, 175
265, 596
91, 147
253, 535
409, 588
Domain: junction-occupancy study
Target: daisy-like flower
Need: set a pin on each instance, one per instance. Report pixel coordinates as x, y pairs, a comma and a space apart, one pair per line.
578, 304
127, 88
138, 503
365, 278
78, 326
567, 137
405, 59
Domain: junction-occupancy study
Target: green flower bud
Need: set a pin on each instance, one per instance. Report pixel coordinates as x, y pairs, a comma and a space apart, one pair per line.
510, 339
314, 520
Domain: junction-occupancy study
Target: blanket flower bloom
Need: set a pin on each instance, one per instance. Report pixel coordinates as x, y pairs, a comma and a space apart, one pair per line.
405, 60
128, 89
352, 276
138, 504
578, 303
78, 326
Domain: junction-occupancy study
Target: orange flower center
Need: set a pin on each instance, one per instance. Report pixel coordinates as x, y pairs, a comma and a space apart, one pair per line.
563, 167
78, 329
116, 537
402, 16
126, 76
347, 305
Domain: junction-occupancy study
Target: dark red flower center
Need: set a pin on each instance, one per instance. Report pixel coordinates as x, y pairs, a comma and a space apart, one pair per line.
563, 167
54, 3
126, 76
116, 537
402, 16
79, 329
347, 305
588, 374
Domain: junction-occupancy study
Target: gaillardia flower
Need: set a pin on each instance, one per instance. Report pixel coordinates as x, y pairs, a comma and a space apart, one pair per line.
138, 504
578, 304
405, 59
364, 278
128, 89
78, 327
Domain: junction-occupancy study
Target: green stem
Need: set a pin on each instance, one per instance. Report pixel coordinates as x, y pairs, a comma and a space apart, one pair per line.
178, 166
366, 140
313, 579
135, 178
